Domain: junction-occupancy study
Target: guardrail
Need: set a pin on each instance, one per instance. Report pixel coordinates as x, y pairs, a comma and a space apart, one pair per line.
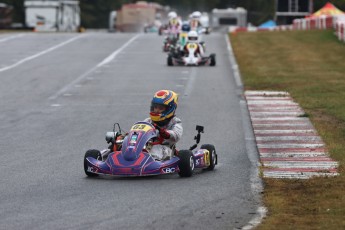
340, 30
323, 22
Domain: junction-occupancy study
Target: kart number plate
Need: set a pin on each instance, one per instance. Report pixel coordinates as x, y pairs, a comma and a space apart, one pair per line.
191, 46
141, 127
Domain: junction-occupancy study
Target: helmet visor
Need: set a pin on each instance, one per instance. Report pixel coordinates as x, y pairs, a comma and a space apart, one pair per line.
192, 38
158, 108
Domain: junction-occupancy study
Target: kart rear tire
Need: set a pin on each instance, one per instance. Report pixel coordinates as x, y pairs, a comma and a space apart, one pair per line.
170, 61
213, 155
186, 163
94, 153
166, 47
213, 60
207, 31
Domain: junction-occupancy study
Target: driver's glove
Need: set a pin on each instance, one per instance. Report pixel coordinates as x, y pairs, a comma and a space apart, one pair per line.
164, 133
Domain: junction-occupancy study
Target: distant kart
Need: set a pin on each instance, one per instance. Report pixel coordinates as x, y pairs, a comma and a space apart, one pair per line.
204, 30
162, 29
190, 57
130, 156
183, 38
150, 29
170, 40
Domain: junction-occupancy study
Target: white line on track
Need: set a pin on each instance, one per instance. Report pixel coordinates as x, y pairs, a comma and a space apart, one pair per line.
11, 37
255, 180
102, 63
261, 213
116, 52
233, 62
40, 53
190, 83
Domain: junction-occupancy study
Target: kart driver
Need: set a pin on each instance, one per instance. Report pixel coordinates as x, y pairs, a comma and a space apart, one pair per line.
174, 23
195, 23
162, 116
184, 34
174, 28
193, 37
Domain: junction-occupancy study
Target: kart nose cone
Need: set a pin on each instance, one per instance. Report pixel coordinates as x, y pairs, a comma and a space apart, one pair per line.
130, 155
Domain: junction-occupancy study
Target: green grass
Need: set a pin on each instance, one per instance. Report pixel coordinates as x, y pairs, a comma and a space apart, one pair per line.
310, 65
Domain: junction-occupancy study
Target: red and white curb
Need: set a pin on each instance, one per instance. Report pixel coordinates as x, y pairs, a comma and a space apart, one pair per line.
287, 142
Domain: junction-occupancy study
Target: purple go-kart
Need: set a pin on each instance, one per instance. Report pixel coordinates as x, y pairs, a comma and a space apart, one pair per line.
129, 155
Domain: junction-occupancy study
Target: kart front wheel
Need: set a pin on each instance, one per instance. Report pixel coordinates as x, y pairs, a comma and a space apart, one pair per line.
170, 60
213, 155
186, 163
94, 153
213, 60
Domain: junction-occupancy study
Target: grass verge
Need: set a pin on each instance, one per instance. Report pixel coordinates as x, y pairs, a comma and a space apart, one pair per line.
310, 65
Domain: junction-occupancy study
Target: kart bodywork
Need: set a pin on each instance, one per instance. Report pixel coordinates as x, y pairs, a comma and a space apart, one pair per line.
172, 38
190, 57
134, 159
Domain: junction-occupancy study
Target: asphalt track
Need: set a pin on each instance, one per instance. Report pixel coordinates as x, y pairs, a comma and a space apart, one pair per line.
60, 93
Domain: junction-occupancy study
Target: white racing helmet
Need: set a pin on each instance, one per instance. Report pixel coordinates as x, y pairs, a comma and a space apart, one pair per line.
193, 36
172, 15
196, 14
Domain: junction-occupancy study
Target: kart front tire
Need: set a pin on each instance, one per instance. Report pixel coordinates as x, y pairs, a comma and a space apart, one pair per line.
213, 60
213, 155
186, 163
207, 31
170, 61
94, 153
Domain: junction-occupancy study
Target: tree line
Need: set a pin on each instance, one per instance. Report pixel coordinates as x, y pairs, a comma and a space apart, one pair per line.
95, 13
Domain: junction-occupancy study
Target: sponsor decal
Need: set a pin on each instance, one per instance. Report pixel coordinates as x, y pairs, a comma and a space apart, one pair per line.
91, 169
133, 139
169, 170
207, 158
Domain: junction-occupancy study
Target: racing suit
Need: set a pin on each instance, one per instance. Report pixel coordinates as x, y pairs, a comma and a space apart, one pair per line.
195, 24
200, 50
165, 150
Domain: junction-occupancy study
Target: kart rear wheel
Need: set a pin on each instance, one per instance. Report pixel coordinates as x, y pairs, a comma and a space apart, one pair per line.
166, 47
94, 153
170, 61
213, 155
213, 60
207, 31
186, 163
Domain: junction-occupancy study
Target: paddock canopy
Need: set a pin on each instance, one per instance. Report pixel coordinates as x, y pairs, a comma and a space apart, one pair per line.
327, 10
268, 24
